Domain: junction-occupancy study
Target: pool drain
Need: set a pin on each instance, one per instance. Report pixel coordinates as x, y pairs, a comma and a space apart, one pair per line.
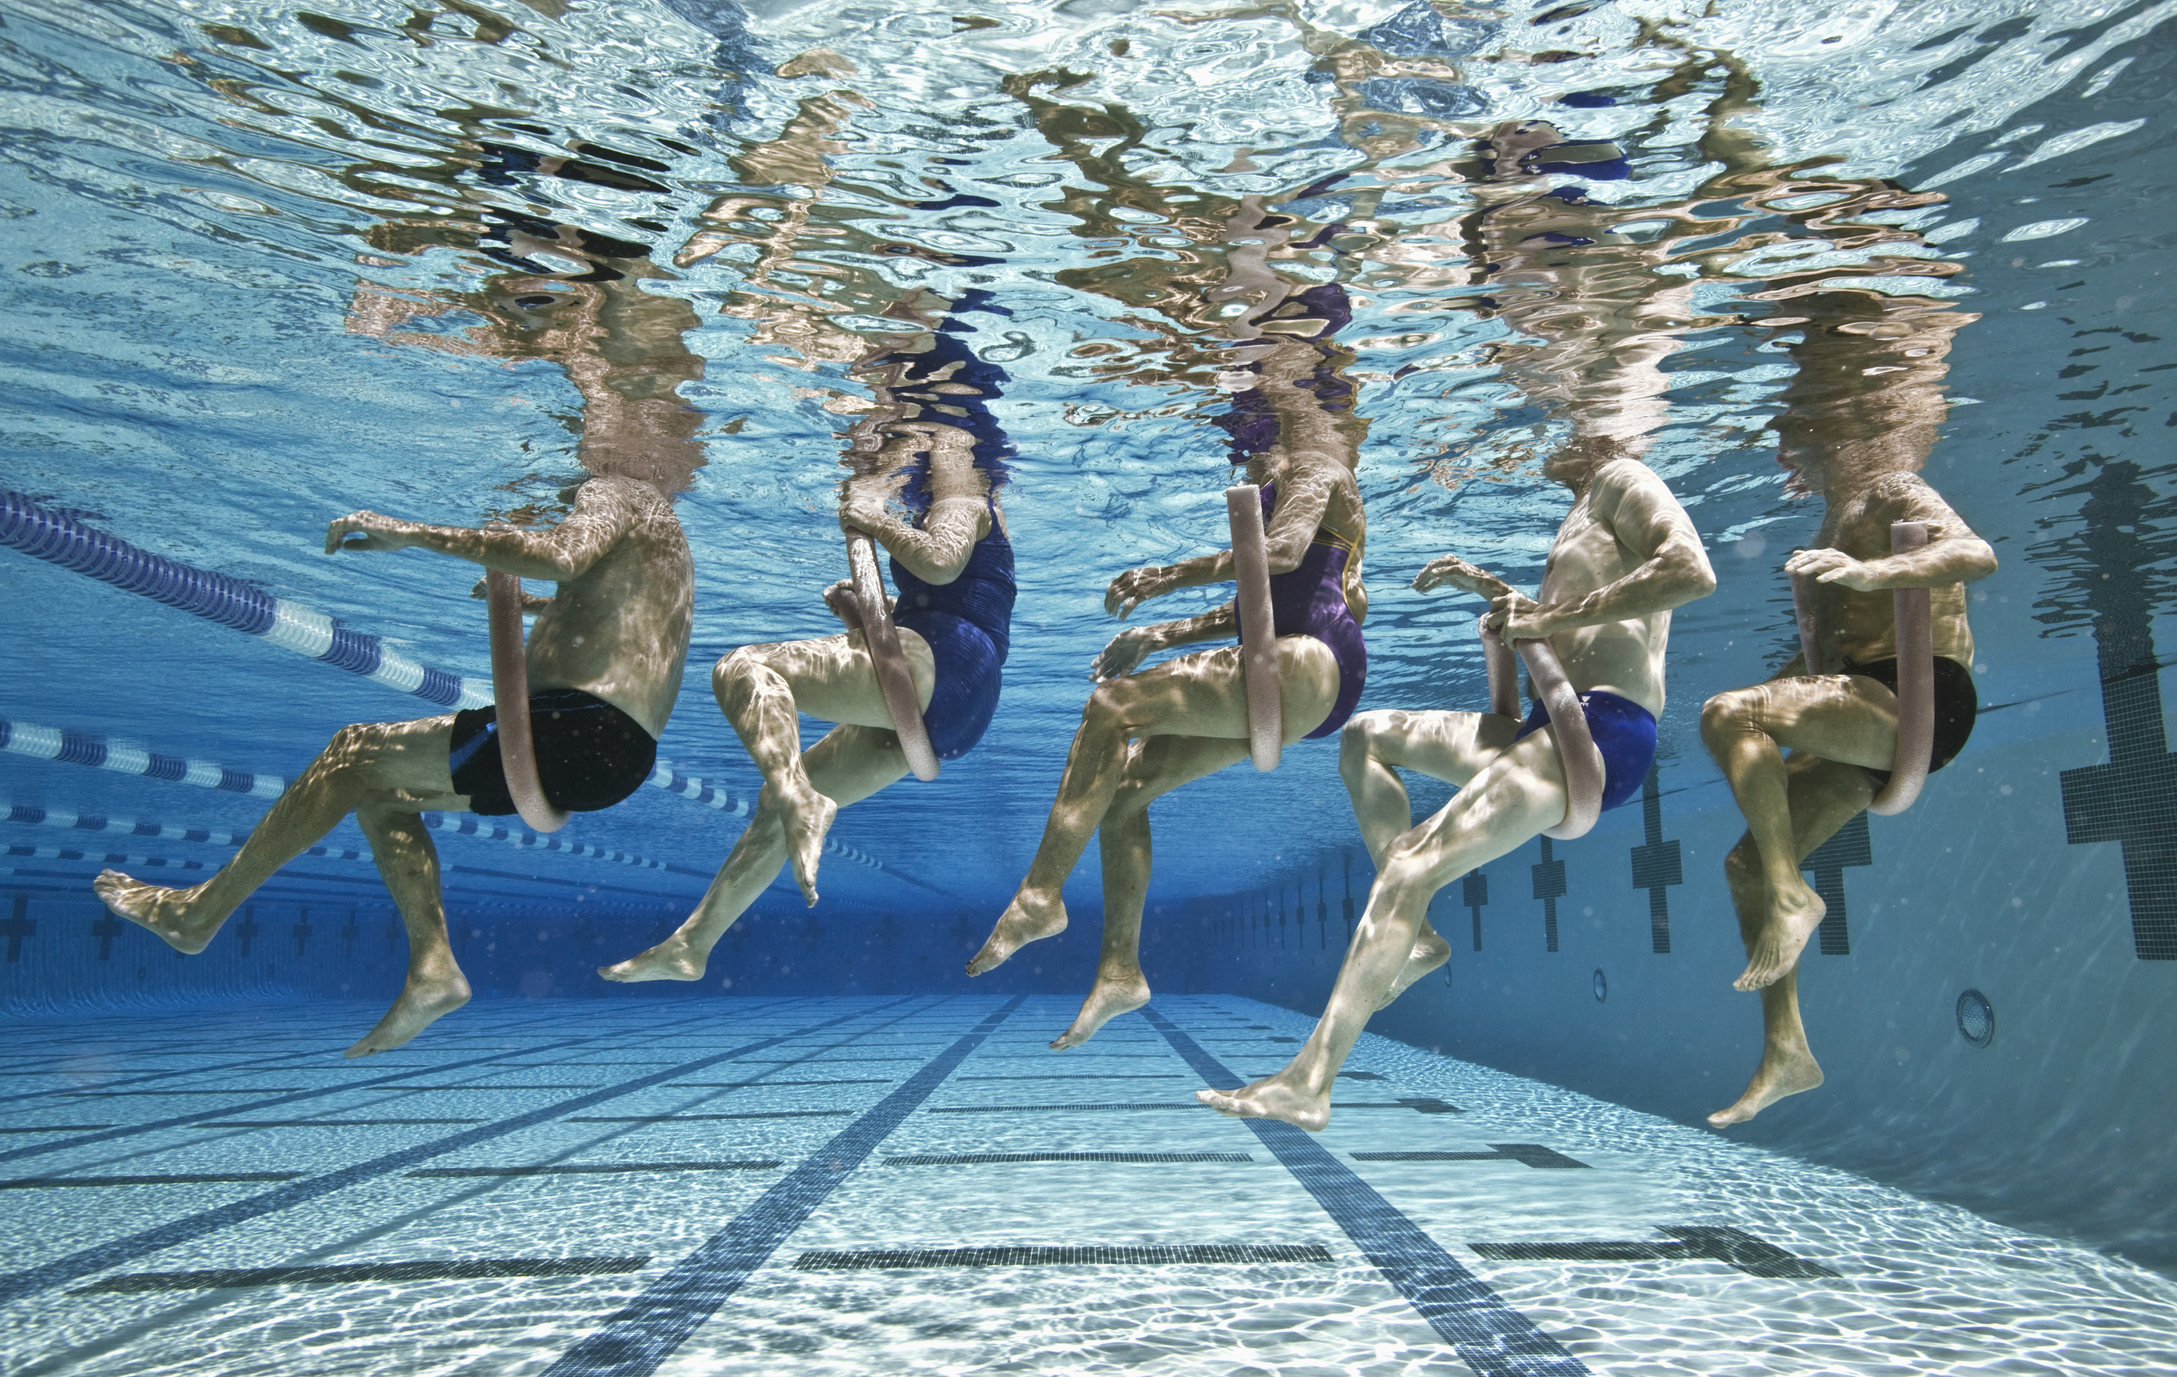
1976, 1018
1602, 985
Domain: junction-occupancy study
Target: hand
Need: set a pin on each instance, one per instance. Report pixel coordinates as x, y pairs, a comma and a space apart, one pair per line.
378, 532
1135, 587
1834, 566
481, 589
1119, 658
1452, 571
1516, 617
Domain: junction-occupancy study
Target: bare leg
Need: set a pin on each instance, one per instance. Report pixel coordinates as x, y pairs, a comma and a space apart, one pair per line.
847, 766
1823, 795
371, 762
1155, 767
1842, 718
1510, 801
1195, 695
763, 689
408, 863
1452, 746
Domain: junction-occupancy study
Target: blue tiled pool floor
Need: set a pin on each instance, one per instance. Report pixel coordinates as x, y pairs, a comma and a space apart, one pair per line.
905, 1185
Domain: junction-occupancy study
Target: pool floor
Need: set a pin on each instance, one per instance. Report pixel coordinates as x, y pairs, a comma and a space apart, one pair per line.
917, 1185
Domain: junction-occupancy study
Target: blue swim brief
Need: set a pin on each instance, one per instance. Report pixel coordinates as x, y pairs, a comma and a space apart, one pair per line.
1624, 732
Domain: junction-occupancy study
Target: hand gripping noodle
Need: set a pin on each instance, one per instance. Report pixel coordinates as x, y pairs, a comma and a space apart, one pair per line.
1915, 673
1258, 628
1915, 683
883, 640
510, 691
1576, 751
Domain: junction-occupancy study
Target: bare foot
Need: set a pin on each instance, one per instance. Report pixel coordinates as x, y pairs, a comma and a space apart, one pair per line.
1430, 951
167, 913
672, 959
1025, 920
1112, 996
1783, 1071
1794, 914
806, 819
424, 1000
1271, 1098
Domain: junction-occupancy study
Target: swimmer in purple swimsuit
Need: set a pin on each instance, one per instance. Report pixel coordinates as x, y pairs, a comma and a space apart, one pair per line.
1145, 734
934, 449
1626, 555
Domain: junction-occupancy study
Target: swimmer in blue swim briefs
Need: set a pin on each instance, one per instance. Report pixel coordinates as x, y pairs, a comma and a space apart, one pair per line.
929, 464
1625, 556
1145, 734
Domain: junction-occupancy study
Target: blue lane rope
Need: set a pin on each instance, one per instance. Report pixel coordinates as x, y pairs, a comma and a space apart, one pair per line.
59, 538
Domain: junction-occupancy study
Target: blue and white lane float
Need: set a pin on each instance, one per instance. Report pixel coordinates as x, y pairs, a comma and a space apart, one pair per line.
59, 538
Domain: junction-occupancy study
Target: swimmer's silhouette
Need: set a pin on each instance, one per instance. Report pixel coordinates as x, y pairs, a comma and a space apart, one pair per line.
605, 657
1858, 423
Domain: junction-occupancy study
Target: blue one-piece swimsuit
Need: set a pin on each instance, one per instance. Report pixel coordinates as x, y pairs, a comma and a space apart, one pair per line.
1311, 601
968, 624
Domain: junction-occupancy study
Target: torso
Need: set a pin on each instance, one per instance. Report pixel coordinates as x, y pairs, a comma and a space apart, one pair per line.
1860, 628
1621, 657
620, 630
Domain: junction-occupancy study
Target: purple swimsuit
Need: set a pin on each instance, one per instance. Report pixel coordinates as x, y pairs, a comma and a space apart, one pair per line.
1311, 601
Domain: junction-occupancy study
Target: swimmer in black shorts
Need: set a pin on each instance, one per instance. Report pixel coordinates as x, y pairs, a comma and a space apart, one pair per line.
604, 667
1858, 422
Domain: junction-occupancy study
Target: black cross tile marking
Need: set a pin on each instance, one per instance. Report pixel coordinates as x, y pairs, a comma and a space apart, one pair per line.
1474, 893
1322, 911
1549, 887
471, 1269
1851, 846
348, 934
2132, 800
105, 930
1181, 1255
1139, 1159
247, 929
302, 930
18, 926
1349, 899
1527, 1154
1739, 1249
599, 1168
1656, 864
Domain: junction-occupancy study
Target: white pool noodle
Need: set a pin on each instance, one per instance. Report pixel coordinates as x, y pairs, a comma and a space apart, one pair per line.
1915, 684
896, 681
1258, 629
510, 692
1503, 668
1576, 751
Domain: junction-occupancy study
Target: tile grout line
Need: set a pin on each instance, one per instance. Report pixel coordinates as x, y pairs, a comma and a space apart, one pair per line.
75, 1266
1492, 1337
643, 1334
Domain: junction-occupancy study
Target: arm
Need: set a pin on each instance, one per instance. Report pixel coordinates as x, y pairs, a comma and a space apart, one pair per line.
605, 510
531, 603
1137, 643
1304, 490
937, 550
1646, 519
1953, 554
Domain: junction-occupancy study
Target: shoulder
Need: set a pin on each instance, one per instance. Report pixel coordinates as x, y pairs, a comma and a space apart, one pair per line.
1623, 480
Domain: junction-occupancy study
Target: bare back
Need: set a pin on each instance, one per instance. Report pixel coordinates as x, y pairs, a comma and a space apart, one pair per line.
619, 629
1625, 519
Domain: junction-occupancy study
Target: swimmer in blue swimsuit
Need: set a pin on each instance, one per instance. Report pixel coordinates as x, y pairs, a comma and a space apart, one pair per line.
934, 450
1145, 734
1626, 555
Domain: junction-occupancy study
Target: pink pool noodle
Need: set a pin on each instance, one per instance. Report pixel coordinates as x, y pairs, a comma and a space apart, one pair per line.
897, 682
510, 692
1576, 751
1915, 684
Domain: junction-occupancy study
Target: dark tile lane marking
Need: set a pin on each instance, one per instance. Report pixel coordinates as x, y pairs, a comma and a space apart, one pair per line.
31, 1183
470, 1269
74, 1266
601, 1168
1023, 1255
1531, 1154
642, 1335
972, 1159
1739, 1249
658, 1119
1493, 1338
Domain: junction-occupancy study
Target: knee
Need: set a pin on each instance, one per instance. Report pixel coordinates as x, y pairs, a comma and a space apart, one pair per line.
1727, 715
1356, 743
734, 671
1108, 705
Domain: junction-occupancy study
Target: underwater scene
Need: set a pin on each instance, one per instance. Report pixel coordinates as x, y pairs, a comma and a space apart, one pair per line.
1328, 688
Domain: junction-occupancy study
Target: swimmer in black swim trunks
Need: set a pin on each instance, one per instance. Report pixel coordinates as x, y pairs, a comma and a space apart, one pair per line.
1858, 422
604, 665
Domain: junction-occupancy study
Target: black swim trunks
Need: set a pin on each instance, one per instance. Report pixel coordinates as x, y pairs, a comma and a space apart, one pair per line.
590, 755
1956, 704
